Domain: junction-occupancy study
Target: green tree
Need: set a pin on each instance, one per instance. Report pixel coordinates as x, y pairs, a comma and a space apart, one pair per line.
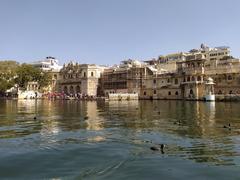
26, 73
7, 74
44, 79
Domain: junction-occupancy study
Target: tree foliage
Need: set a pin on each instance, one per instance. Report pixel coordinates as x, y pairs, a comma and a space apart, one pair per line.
11, 72
7, 74
27, 73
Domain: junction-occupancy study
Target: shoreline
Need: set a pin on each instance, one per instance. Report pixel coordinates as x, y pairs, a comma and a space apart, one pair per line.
222, 98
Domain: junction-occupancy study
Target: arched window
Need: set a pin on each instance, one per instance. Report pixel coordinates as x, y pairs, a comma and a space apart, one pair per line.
92, 74
199, 78
193, 78
154, 92
176, 81
169, 93
176, 93
230, 77
144, 93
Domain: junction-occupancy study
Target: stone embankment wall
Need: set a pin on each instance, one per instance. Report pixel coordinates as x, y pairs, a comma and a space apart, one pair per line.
122, 97
229, 97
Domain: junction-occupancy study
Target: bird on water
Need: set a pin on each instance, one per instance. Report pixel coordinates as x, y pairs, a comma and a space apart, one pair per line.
160, 147
229, 126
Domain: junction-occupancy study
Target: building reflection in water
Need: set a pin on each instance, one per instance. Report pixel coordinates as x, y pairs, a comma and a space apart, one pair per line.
93, 120
28, 106
44, 118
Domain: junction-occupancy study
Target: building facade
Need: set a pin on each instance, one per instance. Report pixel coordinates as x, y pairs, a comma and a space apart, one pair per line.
80, 79
189, 75
182, 75
128, 77
51, 66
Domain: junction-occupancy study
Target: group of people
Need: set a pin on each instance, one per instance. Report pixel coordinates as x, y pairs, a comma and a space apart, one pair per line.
66, 96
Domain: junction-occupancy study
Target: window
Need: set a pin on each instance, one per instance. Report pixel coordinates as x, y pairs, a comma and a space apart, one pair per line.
230, 77
188, 78
199, 78
176, 93
92, 74
154, 81
169, 93
176, 81
144, 93
84, 74
193, 78
154, 92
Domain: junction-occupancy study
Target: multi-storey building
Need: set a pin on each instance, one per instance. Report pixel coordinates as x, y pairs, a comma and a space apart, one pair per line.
80, 79
189, 75
186, 83
169, 62
51, 66
126, 78
184, 75
114, 80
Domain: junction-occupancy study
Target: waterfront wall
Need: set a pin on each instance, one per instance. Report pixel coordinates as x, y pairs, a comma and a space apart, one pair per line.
122, 97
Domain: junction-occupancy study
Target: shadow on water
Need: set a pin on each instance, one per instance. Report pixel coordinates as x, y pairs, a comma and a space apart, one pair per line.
86, 135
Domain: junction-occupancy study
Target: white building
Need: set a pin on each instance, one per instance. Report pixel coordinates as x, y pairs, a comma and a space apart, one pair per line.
48, 64
51, 66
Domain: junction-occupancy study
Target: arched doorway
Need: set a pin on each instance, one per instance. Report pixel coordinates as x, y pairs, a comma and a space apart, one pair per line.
65, 89
78, 89
191, 93
71, 90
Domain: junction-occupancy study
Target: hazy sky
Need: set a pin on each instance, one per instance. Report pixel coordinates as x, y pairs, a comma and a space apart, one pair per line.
109, 31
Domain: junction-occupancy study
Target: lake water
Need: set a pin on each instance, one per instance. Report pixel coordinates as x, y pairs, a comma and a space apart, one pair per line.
112, 140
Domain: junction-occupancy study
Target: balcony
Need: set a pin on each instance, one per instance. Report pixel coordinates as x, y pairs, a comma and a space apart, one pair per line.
192, 70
